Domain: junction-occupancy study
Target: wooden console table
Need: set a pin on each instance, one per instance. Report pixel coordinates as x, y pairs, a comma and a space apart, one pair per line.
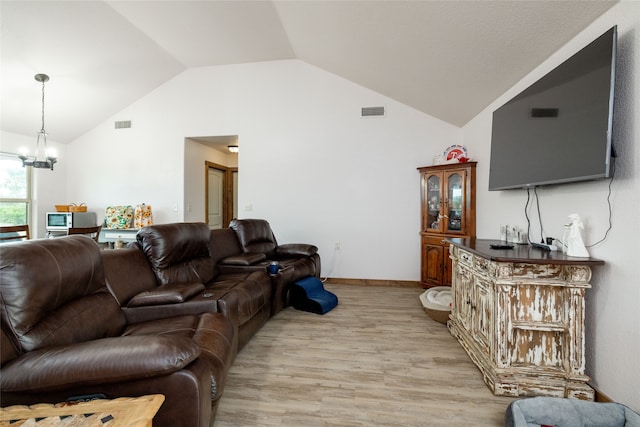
120, 412
519, 314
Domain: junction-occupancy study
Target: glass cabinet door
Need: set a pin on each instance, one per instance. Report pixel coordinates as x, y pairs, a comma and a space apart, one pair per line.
433, 200
455, 202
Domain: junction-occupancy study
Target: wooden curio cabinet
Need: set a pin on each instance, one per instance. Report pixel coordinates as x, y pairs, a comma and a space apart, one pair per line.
448, 209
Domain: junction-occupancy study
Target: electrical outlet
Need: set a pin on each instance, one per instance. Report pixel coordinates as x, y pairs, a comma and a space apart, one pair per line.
336, 247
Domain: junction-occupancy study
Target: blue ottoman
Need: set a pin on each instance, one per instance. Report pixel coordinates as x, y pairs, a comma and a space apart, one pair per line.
309, 294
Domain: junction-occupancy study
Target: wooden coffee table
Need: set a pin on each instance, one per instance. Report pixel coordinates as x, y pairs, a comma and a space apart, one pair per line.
120, 412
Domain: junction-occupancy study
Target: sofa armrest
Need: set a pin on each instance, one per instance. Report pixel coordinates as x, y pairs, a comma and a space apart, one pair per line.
102, 361
205, 302
296, 250
244, 259
172, 293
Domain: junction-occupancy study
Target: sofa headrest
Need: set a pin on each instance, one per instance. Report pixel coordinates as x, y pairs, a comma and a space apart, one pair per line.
255, 235
224, 243
178, 252
127, 273
50, 286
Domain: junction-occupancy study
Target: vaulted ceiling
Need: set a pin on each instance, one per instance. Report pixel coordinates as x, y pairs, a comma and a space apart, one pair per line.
449, 59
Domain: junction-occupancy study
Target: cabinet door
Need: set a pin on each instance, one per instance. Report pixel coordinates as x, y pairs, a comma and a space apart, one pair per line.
463, 289
446, 266
454, 214
432, 264
482, 313
432, 203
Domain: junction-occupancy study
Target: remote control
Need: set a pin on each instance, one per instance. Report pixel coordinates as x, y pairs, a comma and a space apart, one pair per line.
500, 246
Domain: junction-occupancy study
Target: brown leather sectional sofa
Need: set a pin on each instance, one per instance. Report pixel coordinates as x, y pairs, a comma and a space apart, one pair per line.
167, 315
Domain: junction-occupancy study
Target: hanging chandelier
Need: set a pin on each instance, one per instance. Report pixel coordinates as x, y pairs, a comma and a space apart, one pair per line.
49, 155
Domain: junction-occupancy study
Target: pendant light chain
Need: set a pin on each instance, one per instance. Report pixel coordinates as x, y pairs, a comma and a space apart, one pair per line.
43, 131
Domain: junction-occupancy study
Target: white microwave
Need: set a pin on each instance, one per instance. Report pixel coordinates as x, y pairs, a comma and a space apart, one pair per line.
61, 221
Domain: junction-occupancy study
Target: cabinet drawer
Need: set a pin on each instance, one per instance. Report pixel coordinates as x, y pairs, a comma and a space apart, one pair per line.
434, 240
464, 257
481, 265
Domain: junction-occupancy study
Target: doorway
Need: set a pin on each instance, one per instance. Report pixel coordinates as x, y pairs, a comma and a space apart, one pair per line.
221, 194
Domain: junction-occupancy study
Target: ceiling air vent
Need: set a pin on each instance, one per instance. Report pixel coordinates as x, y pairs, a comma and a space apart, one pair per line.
372, 112
124, 124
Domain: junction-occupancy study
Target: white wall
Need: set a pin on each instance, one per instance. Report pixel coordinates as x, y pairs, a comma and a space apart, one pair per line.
613, 328
49, 186
144, 163
309, 164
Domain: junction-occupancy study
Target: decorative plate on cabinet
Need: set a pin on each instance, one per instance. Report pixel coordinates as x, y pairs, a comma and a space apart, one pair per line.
455, 151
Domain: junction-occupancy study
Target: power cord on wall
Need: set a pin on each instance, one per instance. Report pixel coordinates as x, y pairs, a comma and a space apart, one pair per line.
542, 240
526, 215
535, 193
333, 262
606, 233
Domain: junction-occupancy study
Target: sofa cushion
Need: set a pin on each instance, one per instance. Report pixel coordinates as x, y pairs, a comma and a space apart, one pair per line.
253, 291
178, 252
101, 361
50, 286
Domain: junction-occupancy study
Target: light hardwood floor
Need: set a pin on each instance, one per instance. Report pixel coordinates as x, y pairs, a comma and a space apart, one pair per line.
375, 360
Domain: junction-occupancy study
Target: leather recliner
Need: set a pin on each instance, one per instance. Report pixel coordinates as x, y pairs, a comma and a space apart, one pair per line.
131, 281
64, 334
260, 248
181, 253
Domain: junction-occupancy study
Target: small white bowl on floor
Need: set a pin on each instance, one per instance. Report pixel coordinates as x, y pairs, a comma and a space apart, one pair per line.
437, 303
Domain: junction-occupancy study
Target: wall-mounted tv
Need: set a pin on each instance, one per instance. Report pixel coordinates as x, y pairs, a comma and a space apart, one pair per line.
558, 130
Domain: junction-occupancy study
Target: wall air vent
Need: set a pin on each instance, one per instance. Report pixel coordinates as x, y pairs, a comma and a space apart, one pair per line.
124, 124
372, 112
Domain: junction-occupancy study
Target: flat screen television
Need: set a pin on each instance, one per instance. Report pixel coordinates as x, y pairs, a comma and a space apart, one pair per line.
558, 130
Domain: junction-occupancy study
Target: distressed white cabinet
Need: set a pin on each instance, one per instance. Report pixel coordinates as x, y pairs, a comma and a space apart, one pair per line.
519, 314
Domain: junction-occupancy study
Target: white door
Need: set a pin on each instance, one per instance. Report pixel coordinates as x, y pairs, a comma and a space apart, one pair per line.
235, 194
215, 197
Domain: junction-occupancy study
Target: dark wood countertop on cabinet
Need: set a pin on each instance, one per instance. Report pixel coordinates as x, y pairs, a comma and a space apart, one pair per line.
520, 253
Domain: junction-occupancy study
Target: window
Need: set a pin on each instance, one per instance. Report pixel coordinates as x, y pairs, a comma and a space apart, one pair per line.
15, 191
